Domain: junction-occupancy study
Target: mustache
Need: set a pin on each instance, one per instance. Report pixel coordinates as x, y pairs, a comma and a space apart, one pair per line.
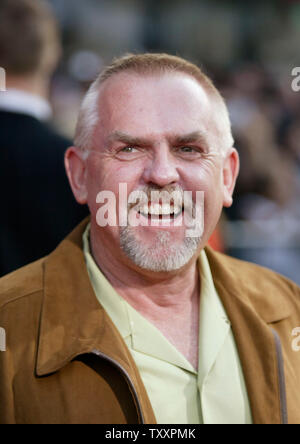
169, 195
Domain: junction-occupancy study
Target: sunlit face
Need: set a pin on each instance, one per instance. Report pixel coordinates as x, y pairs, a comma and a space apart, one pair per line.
156, 132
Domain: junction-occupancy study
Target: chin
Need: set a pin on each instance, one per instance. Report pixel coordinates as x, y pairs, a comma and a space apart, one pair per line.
163, 254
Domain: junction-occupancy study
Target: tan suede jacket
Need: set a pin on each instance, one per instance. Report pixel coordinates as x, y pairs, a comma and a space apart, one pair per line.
65, 362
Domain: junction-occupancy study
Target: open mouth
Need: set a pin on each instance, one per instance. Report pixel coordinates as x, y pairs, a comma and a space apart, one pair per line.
161, 211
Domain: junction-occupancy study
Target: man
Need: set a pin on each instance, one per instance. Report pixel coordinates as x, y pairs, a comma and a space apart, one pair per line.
31, 153
131, 319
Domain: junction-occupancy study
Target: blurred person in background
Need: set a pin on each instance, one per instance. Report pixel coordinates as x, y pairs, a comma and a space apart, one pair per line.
38, 208
290, 138
265, 215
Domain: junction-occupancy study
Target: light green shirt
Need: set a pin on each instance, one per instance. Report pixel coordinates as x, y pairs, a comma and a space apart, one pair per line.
216, 393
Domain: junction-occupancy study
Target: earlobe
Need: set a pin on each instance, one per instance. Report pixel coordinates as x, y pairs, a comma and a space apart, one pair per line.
75, 165
230, 173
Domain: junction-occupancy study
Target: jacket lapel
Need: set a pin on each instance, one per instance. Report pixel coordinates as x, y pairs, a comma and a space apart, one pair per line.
74, 323
250, 311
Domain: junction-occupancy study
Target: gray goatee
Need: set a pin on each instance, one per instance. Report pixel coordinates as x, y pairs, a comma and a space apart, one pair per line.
162, 256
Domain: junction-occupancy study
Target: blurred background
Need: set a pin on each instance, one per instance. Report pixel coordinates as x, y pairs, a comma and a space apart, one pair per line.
249, 48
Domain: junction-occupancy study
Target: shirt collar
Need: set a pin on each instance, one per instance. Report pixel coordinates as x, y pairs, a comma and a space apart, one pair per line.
130, 323
17, 101
214, 323
73, 322
147, 339
111, 301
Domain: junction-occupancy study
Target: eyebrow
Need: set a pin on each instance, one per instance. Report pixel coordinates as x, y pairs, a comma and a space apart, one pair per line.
175, 140
119, 136
195, 136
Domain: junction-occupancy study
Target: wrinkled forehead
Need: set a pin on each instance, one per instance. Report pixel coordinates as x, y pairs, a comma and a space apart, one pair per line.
130, 86
156, 103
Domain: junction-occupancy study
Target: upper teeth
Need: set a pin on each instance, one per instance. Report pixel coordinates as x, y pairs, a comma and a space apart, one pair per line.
158, 209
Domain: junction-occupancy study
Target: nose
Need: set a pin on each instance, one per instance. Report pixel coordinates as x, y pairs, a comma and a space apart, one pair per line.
161, 169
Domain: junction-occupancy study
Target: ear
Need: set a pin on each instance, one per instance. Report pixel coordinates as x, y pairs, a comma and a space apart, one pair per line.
231, 169
75, 164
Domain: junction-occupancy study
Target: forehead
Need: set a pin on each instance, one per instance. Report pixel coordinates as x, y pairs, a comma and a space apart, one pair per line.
154, 104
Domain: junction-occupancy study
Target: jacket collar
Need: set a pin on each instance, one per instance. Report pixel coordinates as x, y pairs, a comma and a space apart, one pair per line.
254, 299
262, 290
73, 322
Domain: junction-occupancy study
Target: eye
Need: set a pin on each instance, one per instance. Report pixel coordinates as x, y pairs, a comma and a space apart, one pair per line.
129, 153
187, 149
128, 149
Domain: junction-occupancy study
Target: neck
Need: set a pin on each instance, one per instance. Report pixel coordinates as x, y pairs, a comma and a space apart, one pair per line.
170, 301
32, 84
146, 290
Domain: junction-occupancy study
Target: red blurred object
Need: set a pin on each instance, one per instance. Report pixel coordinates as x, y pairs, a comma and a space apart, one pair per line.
216, 241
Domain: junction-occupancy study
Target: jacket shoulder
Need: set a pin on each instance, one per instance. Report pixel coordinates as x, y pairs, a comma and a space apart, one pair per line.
21, 283
270, 293
253, 270
261, 275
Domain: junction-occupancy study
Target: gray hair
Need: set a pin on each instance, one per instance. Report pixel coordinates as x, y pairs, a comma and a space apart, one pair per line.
88, 118
147, 64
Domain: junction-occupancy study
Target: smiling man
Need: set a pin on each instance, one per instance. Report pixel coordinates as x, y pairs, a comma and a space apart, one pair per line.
137, 321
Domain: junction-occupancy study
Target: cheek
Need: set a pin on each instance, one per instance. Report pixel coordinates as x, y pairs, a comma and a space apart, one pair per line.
108, 177
111, 173
209, 181
203, 178
128, 172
